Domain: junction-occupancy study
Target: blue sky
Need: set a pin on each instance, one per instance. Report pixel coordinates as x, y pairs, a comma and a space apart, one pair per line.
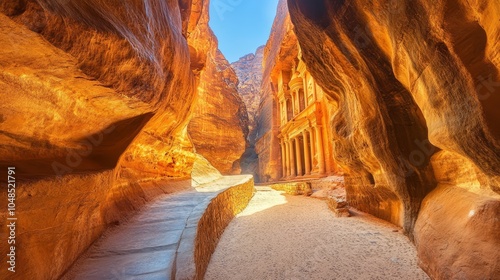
241, 25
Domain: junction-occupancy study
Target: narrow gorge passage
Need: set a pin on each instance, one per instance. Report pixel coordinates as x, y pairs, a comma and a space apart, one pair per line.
295, 237
122, 123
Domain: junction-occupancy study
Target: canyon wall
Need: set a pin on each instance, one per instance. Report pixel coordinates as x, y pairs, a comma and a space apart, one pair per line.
249, 71
416, 131
219, 124
96, 99
278, 51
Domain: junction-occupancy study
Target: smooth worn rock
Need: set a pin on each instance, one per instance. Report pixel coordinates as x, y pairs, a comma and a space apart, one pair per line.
416, 83
96, 98
457, 234
219, 124
249, 71
203, 172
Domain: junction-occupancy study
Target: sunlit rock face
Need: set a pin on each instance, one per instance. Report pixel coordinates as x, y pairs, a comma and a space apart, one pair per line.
96, 99
295, 113
249, 71
417, 85
219, 125
281, 40
220, 122
142, 59
203, 172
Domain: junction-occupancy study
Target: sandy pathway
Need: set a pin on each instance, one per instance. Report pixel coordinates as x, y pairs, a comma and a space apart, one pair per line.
286, 237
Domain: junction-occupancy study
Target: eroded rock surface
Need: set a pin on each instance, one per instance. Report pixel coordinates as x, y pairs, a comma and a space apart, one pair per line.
416, 84
276, 51
249, 71
457, 234
219, 126
96, 99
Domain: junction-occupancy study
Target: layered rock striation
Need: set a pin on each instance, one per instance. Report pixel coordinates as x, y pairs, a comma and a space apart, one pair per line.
96, 101
219, 125
416, 83
249, 71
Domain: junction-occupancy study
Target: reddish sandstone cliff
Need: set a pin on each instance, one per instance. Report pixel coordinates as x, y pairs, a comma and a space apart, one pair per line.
417, 131
96, 98
249, 71
219, 125
278, 53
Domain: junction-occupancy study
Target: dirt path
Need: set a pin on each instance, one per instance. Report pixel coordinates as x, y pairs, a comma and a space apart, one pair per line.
286, 237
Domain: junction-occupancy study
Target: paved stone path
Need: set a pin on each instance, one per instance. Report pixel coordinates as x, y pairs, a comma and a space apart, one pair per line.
146, 246
287, 237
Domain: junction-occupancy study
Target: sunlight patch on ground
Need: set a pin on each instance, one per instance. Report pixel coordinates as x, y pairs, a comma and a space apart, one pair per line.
261, 201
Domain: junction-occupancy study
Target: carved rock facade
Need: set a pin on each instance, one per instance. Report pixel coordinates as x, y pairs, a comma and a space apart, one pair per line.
294, 140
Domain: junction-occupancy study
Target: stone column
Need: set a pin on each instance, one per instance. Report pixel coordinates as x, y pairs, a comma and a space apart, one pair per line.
293, 104
296, 105
282, 112
320, 151
285, 111
315, 91
298, 156
313, 149
293, 172
306, 91
287, 159
307, 155
283, 159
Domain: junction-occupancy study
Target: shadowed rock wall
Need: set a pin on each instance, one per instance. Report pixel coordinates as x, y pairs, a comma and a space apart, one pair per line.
416, 84
249, 71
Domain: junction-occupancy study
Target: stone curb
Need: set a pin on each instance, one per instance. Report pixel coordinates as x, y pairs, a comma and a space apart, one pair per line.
205, 226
